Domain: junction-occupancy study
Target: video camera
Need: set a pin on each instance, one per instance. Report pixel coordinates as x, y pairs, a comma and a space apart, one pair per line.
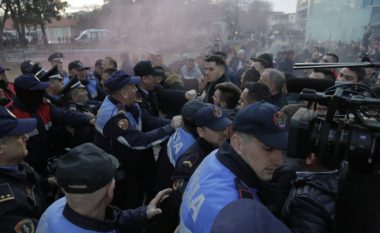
349, 130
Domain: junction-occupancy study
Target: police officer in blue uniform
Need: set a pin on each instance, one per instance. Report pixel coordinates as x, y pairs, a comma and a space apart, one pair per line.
86, 174
77, 69
212, 125
239, 169
178, 143
22, 199
125, 130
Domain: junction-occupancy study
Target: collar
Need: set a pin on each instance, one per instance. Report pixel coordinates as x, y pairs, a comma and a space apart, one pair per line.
206, 146
109, 224
304, 174
230, 159
145, 92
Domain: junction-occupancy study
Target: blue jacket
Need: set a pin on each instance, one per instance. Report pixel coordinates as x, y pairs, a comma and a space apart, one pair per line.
178, 143
123, 130
220, 179
59, 217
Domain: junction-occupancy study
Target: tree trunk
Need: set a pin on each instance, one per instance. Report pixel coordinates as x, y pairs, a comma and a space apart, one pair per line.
2, 26
43, 29
21, 23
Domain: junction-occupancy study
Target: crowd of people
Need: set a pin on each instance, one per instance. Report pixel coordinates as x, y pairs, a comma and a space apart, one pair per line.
198, 145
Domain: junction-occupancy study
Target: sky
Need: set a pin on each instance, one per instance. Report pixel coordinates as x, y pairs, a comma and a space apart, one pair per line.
288, 6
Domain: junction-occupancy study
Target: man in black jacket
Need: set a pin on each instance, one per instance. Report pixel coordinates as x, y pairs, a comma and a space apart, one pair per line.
22, 200
310, 206
215, 74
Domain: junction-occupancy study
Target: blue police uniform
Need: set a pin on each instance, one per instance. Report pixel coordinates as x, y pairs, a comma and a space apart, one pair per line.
53, 220
59, 217
223, 176
126, 131
212, 180
238, 216
178, 143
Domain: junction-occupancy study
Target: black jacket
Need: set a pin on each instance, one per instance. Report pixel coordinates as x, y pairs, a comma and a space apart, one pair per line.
310, 206
185, 167
22, 199
210, 88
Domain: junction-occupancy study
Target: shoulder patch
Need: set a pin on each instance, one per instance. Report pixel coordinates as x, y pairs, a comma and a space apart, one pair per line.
6, 193
25, 226
123, 124
191, 160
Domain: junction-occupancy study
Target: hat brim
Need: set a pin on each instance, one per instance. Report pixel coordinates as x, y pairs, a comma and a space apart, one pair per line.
134, 80
83, 68
278, 141
220, 124
40, 86
23, 126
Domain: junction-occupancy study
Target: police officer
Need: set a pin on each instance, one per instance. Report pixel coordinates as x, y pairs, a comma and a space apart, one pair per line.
177, 144
212, 126
21, 198
76, 99
124, 129
239, 169
77, 69
86, 174
53, 92
29, 103
56, 59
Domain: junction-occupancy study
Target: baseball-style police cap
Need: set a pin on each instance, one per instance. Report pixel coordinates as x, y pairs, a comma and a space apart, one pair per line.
190, 108
3, 69
212, 117
11, 126
85, 169
120, 79
30, 83
247, 216
78, 65
264, 121
51, 74
144, 68
71, 85
55, 56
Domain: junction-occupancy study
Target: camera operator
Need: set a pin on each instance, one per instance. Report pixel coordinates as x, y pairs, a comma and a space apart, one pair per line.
310, 204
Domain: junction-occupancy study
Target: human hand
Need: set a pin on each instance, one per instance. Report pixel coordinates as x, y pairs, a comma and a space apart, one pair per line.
152, 209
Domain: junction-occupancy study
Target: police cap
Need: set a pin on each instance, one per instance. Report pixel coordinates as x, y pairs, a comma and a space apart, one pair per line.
56, 55
11, 126
85, 169
264, 121
120, 79
212, 117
